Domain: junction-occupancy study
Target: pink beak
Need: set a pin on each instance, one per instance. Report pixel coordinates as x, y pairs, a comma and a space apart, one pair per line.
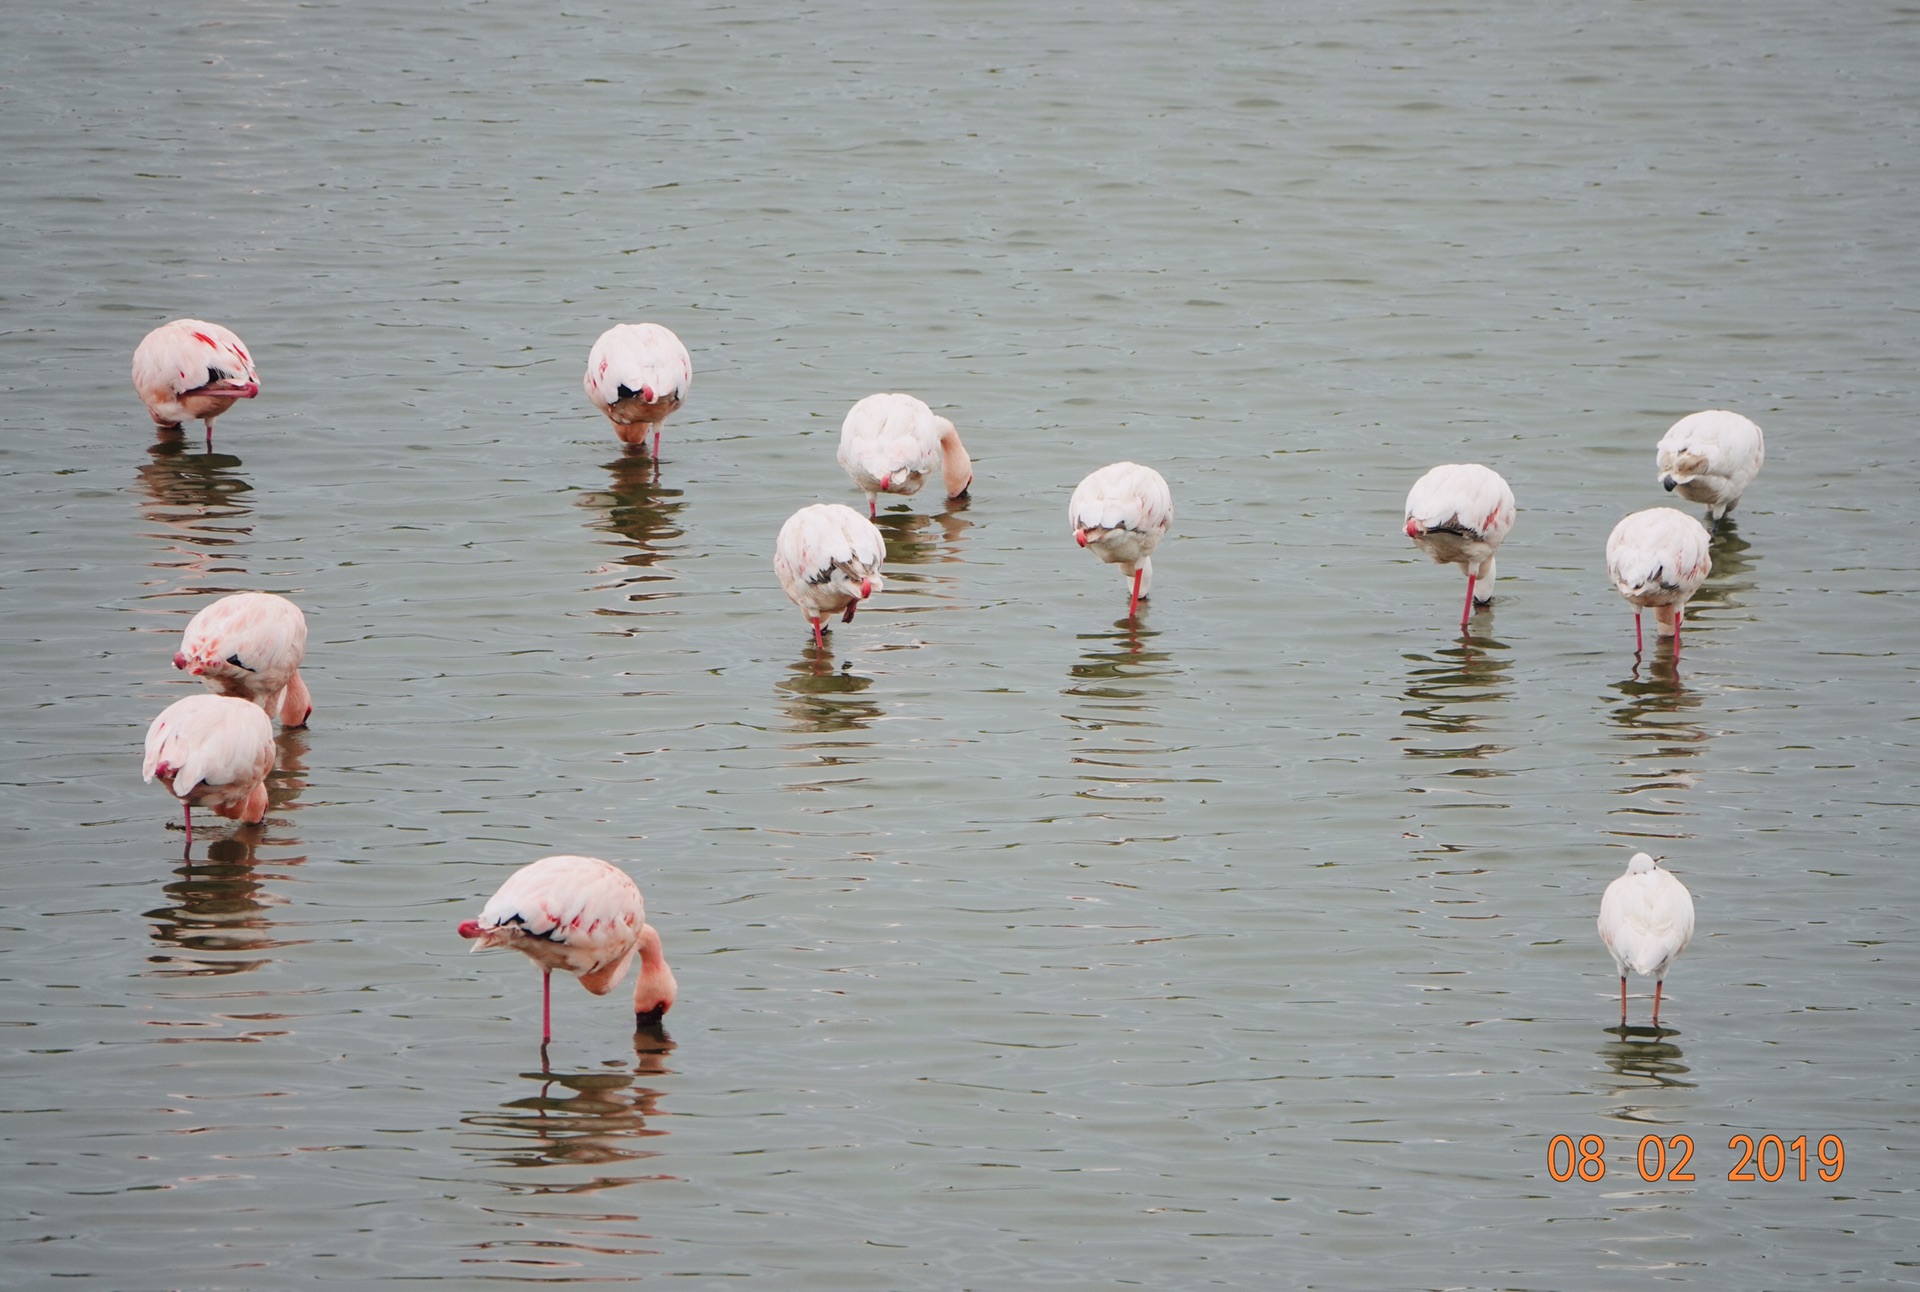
1080, 537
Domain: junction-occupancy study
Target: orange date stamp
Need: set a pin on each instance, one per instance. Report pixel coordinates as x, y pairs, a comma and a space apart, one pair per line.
1659, 1158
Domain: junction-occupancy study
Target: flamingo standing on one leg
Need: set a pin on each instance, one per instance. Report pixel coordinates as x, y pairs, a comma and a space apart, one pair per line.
1646, 920
1120, 513
1711, 457
637, 373
1459, 514
891, 444
188, 368
828, 558
1658, 557
583, 916
214, 750
251, 644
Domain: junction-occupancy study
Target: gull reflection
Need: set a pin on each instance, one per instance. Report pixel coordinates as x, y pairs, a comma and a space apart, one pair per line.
218, 917
1453, 694
1113, 695
199, 501
642, 515
588, 1118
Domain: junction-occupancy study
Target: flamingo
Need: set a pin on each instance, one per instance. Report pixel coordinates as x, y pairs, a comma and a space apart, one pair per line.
584, 916
250, 645
214, 750
1711, 457
188, 368
1658, 557
1646, 920
828, 558
890, 444
1120, 513
637, 373
1459, 514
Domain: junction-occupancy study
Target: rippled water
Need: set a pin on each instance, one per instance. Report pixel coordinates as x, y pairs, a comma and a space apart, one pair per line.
1246, 944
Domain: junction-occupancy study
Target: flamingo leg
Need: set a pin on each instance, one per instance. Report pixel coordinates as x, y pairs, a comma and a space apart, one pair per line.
546, 1006
1467, 613
818, 640
1656, 1001
1133, 605
1623, 1000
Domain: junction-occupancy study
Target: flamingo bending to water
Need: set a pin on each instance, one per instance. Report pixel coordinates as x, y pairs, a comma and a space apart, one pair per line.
1711, 457
637, 373
1459, 514
828, 558
1120, 513
251, 644
583, 916
188, 368
891, 444
1646, 921
213, 750
1658, 557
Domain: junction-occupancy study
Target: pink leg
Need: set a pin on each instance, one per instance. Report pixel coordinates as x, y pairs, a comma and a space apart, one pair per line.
546, 1006
1656, 1001
1623, 1000
1467, 613
818, 640
1133, 605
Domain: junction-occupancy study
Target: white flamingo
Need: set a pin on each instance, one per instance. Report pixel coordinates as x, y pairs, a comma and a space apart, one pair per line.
892, 443
1658, 558
251, 644
1711, 457
1459, 514
637, 373
1646, 920
828, 558
583, 916
189, 368
214, 751
1120, 513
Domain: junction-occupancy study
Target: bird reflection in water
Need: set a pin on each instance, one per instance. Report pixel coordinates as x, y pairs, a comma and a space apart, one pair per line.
218, 916
589, 1118
1112, 692
200, 503
643, 515
1452, 695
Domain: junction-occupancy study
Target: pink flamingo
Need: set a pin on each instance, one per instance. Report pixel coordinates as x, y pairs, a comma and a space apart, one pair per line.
188, 368
1646, 921
250, 645
1459, 514
585, 917
828, 558
213, 750
1658, 557
637, 373
1120, 513
891, 444
1711, 457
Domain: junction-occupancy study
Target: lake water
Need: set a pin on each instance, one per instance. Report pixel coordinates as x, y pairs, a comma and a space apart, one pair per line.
1247, 944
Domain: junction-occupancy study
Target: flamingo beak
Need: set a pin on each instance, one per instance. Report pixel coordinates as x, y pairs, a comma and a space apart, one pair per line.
1080, 537
866, 588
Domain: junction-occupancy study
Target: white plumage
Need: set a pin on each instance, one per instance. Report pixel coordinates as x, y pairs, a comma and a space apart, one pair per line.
583, 916
892, 443
1658, 558
828, 559
190, 368
1120, 513
251, 644
637, 373
213, 750
1711, 457
1459, 514
1646, 921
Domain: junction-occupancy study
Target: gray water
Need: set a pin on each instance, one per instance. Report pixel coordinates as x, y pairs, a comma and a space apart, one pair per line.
1249, 944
